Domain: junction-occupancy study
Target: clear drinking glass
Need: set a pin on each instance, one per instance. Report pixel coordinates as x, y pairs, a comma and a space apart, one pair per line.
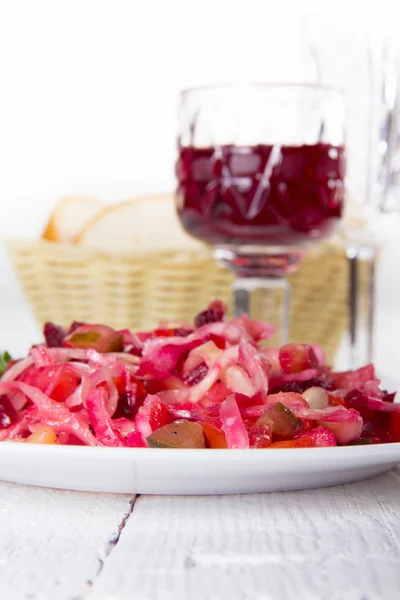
260, 174
364, 65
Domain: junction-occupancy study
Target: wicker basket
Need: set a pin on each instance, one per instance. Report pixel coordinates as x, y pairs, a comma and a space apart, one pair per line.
67, 282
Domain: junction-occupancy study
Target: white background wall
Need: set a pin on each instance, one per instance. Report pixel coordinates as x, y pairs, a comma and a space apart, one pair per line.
89, 88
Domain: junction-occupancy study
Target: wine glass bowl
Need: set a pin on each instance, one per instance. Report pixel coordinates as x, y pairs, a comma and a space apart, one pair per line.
260, 174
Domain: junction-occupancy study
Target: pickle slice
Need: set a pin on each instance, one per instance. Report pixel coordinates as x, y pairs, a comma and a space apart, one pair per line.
179, 434
281, 421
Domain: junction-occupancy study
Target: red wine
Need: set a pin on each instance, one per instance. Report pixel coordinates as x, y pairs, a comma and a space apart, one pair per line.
262, 195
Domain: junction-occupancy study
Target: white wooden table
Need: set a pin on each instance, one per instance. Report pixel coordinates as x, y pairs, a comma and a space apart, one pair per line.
335, 543
340, 543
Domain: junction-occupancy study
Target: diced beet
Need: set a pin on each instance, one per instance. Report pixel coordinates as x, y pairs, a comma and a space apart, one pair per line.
295, 358
126, 406
381, 427
322, 437
214, 313
218, 340
66, 384
8, 415
127, 383
162, 361
356, 399
378, 429
122, 381
62, 379
141, 390
159, 415
216, 394
367, 428
352, 380
394, 427
388, 397
135, 440
196, 375
244, 402
376, 423
317, 382
135, 351
73, 440
54, 335
276, 385
298, 386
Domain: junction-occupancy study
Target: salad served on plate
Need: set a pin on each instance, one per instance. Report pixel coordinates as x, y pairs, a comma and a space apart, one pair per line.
213, 384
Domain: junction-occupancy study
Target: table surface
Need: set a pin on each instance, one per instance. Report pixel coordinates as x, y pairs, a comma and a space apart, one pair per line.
334, 543
340, 543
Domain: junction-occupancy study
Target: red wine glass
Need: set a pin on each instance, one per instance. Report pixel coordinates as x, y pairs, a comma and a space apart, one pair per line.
261, 178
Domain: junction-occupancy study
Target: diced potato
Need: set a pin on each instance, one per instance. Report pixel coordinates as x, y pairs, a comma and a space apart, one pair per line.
316, 397
43, 435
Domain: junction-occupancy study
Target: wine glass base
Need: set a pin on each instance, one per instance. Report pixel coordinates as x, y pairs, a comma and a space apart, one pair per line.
261, 272
259, 261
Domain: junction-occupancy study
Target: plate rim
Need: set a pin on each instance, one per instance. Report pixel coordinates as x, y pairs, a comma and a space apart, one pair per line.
207, 454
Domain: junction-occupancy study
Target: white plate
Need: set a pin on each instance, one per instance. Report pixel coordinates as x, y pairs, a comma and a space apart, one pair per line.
158, 471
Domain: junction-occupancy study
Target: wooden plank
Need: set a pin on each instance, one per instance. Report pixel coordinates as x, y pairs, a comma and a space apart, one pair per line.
334, 543
53, 543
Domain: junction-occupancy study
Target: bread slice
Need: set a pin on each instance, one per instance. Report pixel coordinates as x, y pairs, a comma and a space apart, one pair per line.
145, 224
69, 216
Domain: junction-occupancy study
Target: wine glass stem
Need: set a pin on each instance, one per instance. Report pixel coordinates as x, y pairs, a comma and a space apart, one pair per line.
352, 258
274, 296
361, 351
371, 304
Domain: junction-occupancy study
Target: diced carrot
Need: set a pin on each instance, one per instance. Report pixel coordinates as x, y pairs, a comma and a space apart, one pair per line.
215, 437
302, 442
